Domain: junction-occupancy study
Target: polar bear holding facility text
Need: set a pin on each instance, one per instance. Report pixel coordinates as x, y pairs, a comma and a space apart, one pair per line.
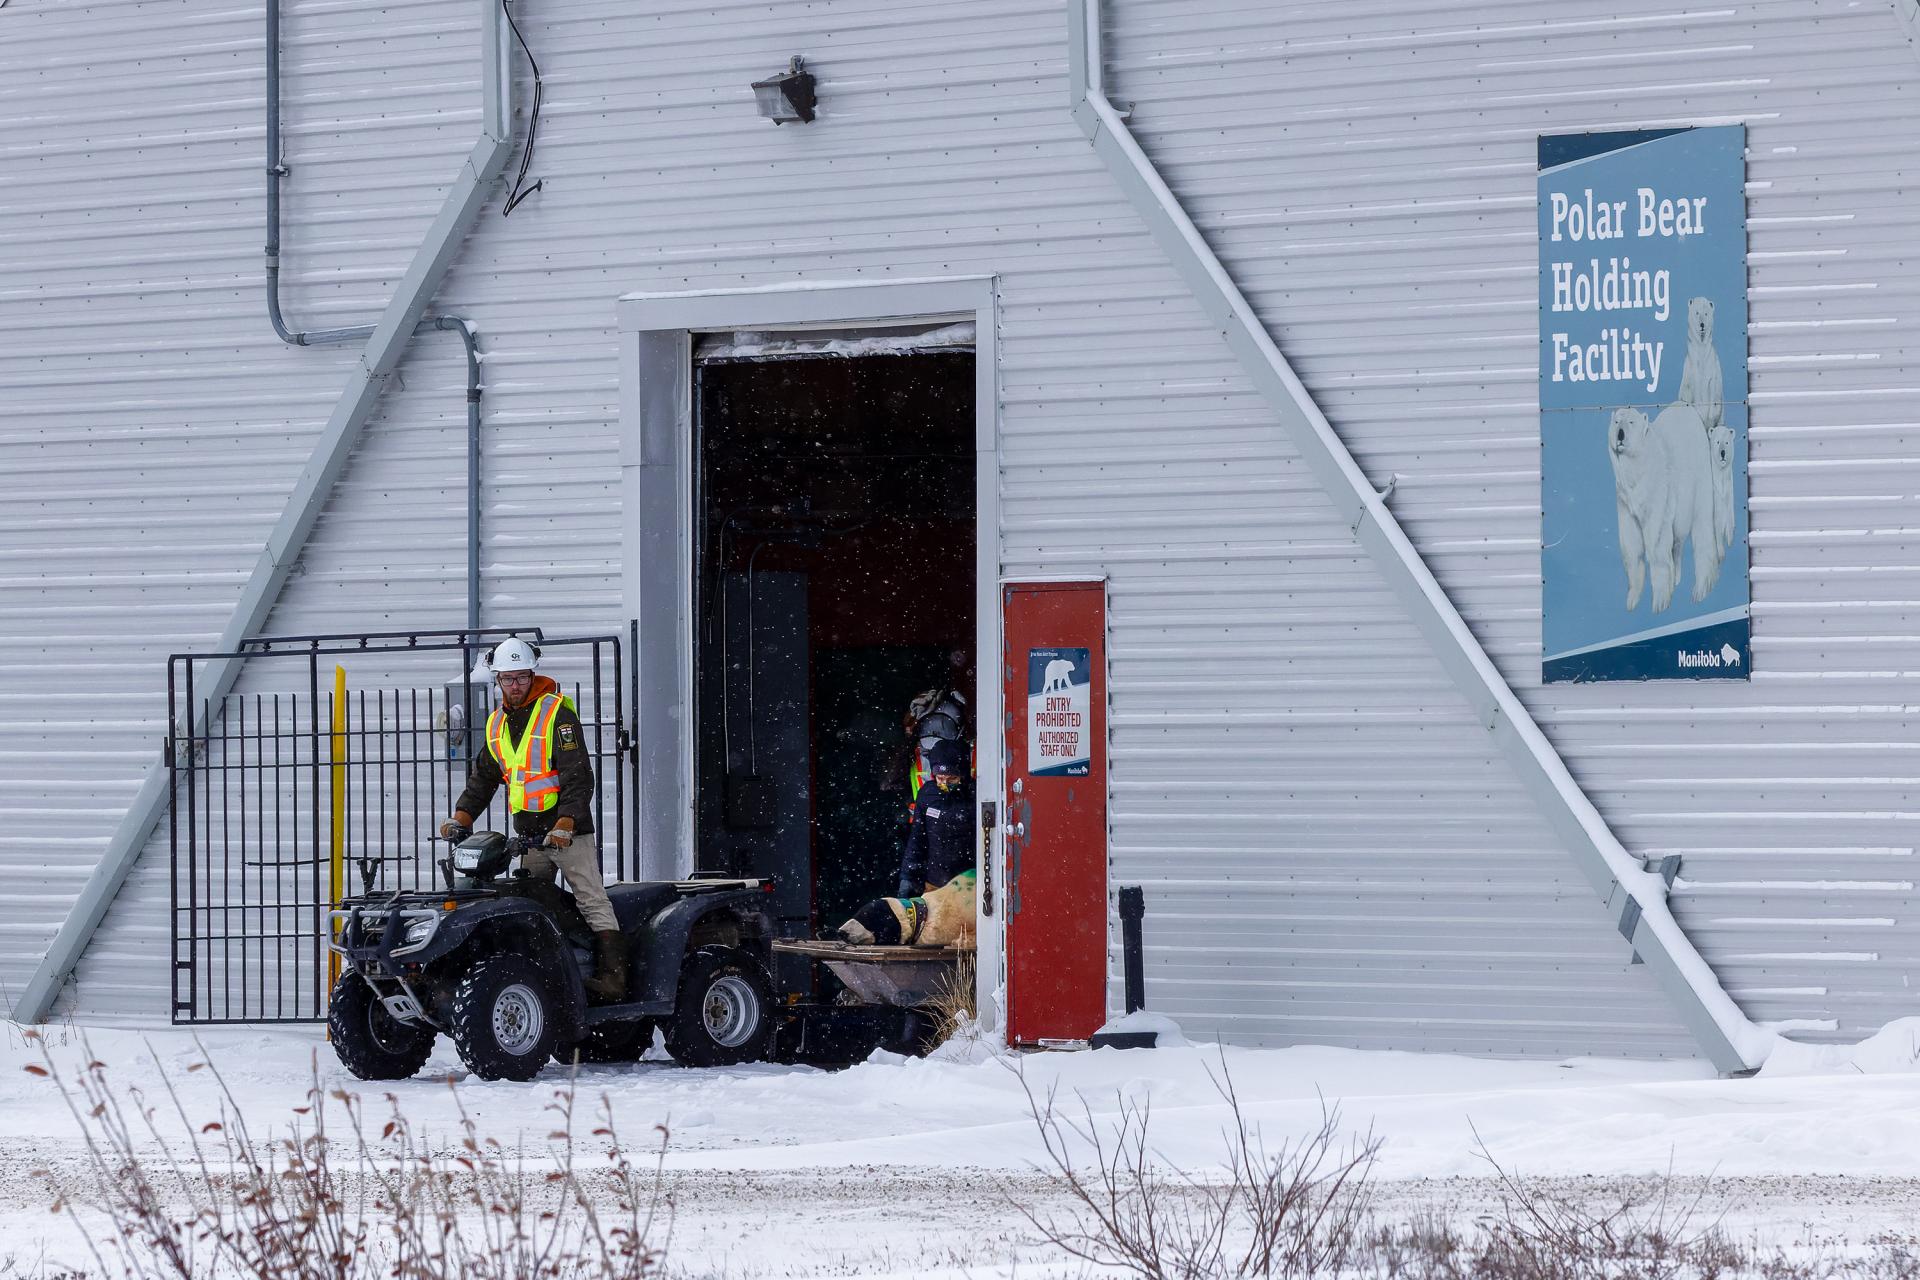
1700, 382
1664, 494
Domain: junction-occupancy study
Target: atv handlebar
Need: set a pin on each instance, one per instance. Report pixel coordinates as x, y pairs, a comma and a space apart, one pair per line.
516, 844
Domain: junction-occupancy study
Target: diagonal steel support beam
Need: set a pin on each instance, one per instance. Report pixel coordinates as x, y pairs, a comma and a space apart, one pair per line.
343, 430
1631, 895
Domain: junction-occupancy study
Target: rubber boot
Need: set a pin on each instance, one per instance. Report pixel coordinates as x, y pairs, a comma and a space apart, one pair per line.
609, 981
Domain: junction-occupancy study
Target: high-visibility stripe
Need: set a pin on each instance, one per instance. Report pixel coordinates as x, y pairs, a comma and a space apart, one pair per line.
496, 735
540, 725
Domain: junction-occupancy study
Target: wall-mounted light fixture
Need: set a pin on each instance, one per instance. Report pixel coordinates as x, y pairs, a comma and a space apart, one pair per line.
788, 96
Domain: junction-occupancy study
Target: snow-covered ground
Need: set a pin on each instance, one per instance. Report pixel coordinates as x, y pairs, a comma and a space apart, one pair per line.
902, 1166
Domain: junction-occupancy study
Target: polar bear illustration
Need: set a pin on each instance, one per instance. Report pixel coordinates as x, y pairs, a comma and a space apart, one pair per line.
1639, 492
1059, 675
1700, 384
1664, 496
1720, 450
1690, 474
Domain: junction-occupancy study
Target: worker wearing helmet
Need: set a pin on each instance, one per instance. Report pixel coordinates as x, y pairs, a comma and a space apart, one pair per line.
935, 715
940, 842
537, 748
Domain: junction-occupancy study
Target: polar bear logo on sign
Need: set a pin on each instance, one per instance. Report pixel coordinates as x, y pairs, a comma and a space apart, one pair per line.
1059, 675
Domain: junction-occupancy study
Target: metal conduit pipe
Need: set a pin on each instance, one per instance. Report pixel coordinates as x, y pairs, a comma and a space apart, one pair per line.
465, 330
276, 170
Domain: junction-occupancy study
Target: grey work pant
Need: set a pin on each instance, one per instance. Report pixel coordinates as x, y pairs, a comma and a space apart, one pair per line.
580, 863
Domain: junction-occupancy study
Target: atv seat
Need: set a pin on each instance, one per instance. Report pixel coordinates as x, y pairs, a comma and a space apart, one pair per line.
633, 904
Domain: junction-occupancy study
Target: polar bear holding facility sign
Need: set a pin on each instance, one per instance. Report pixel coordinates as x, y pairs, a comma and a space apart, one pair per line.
1664, 494
1700, 381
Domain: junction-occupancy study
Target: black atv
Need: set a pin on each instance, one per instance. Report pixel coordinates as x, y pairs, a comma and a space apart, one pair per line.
498, 963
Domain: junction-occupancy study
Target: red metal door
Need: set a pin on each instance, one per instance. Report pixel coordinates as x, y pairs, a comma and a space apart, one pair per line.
1055, 677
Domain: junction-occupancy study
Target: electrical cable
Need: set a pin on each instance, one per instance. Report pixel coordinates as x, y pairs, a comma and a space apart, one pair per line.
518, 193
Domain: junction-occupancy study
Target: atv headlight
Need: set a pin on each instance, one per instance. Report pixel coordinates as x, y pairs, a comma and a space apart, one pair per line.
418, 934
466, 860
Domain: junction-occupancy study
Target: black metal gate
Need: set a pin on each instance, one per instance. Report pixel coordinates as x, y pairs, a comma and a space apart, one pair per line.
328, 773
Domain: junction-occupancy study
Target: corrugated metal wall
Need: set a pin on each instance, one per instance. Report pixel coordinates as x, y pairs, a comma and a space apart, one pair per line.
1367, 174
1329, 850
150, 426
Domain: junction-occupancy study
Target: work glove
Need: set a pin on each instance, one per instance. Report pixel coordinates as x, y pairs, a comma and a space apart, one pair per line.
559, 837
451, 830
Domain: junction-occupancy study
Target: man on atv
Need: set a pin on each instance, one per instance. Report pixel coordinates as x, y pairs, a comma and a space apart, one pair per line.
536, 746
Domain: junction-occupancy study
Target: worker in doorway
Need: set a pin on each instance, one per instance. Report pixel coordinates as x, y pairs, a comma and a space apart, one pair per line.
940, 842
536, 746
939, 714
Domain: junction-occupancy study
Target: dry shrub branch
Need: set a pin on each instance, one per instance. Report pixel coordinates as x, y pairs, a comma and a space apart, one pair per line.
1643, 1230
953, 1007
1305, 1210
1297, 1211
163, 1196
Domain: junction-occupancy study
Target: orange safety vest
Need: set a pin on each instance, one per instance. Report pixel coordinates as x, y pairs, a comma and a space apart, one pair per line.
533, 786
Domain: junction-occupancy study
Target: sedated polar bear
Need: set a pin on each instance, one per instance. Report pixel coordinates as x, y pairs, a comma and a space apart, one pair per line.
1664, 493
1700, 384
1720, 450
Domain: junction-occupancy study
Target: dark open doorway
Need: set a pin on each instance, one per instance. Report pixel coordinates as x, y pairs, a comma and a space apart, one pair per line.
834, 579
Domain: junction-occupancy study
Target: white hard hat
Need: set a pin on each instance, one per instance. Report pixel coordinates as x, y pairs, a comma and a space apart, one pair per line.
511, 654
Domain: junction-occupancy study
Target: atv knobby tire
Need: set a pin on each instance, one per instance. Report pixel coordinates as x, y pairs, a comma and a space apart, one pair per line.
505, 1019
369, 1041
724, 1014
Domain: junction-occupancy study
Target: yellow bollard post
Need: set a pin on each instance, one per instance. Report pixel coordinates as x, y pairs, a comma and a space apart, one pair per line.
336, 877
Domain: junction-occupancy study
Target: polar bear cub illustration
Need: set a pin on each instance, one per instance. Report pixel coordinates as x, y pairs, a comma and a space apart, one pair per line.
1664, 494
1720, 450
1059, 675
1700, 383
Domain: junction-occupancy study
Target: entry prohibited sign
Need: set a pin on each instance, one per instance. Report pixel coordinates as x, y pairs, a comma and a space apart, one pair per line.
1059, 713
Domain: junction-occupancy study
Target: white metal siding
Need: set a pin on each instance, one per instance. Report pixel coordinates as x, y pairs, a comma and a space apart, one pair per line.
1367, 173
1329, 850
151, 424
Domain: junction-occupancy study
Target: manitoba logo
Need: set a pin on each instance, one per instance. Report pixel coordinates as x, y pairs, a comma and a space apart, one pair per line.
1728, 656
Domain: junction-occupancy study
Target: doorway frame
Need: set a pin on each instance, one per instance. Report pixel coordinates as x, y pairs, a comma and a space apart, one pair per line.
656, 450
